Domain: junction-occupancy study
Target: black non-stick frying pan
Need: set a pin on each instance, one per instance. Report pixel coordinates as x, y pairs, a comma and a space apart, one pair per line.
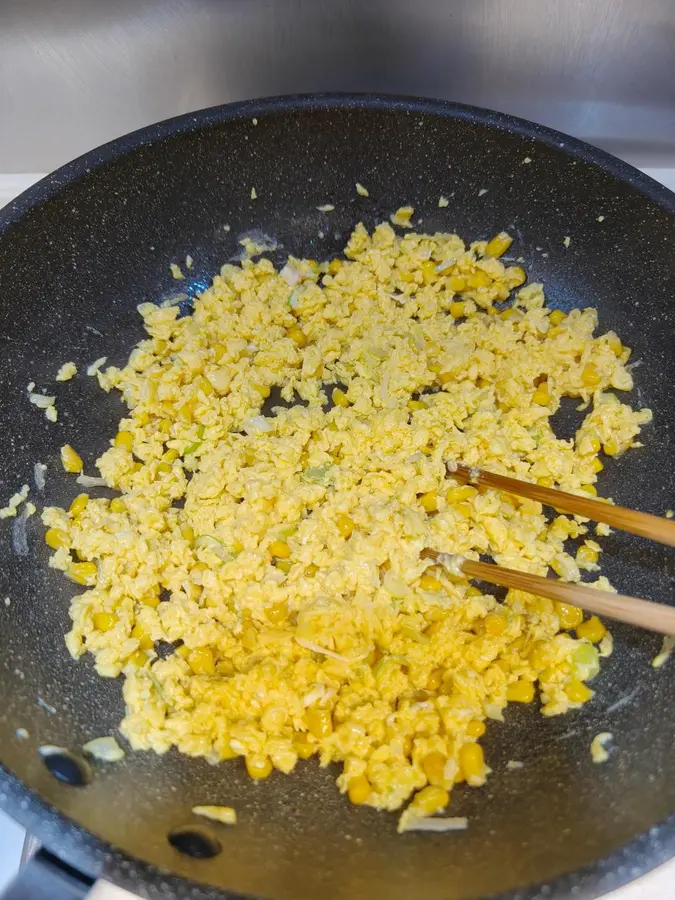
81, 249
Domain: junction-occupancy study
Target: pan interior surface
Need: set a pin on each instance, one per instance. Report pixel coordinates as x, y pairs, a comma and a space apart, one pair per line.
95, 242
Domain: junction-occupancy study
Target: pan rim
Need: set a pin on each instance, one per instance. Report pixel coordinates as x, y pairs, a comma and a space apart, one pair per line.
89, 853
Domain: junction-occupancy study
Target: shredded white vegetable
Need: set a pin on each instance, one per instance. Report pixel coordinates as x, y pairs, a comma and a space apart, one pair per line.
104, 748
91, 481
42, 401
225, 814
94, 368
438, 824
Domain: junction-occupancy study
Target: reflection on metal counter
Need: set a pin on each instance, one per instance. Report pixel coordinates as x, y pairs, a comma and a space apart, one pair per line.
80, 72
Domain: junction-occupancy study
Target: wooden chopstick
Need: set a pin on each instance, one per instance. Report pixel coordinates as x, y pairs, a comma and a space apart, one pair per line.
621, 517
646, 614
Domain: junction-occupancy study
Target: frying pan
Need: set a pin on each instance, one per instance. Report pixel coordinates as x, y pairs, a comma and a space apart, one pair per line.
79, 251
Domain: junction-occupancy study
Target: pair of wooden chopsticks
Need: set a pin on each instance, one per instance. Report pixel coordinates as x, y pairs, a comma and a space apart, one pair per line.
646, 614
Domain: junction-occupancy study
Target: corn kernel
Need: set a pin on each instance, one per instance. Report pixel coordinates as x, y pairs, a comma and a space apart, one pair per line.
472, 763
151, 600
428, 269
462, 492
457, 285
358, 790
187, 533
520, 692
302, 745
478, 279
340, 398
515, 276
56, 537
138, 658
430, 800
201, 661
592, 629
284, 565
589, 489
569, 616
577, 691
463, 509
429, 501
163, 468
297, 335
345, 525
83, 573
417, 405
475, 728
334, 266
614, 343
71, 460
259, 767
262, 389
125, 440
117, 505
277, 613
79, 504
611, 447
319, 722
545, 481
104, 621
311, 570
495, 624
556, 317
587, 556
430, 583
499, 244
144, 640
280, 549
590, 375
237, 546
433, 766
249, 637
435, 679
541, 397
596, 466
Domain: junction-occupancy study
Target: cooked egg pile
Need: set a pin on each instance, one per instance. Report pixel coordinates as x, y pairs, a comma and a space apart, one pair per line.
259, 581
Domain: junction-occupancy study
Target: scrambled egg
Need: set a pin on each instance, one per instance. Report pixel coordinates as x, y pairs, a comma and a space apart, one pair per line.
259, 581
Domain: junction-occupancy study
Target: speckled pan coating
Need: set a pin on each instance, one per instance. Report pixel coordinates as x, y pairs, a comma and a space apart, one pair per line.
82, 248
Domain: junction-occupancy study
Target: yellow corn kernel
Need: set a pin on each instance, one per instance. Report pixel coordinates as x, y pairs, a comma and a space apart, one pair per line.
56, 537
201, 661
540, 655
475, 728
463, 509
259, 767
428, 269
430, 583
478, 279
495, 624
499, 244
204, 385
163, 468
520, 692
457, 309
237, 546
435, 679
541, 397
183, 651
597, 466
590, 375
340, 398
589, 489
117, 505
311, 570
71, 460
184, 412
577, 691
319, 722
125, 440
462, 492
187, 533
262, 389
556, 317
511, 313
249, 637
433, 765
302, 745
138, 658
406, 277
79, 504
345, 525
144, 640
472, 763
587, 555
284, 565
280, 549
614, 342
104, 621
334, 266
358, 790
417, 405
83, 573
436, 368
569, 616
545, 481
430, 800
297, 335
151, 600
592, 629
277, 613
429, 501
610, 447
515, 276
457, 285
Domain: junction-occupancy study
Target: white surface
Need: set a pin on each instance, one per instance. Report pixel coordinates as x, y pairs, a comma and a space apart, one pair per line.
658, 885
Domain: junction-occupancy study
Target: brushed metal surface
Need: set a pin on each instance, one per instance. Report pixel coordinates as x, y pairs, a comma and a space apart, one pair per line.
79, 72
